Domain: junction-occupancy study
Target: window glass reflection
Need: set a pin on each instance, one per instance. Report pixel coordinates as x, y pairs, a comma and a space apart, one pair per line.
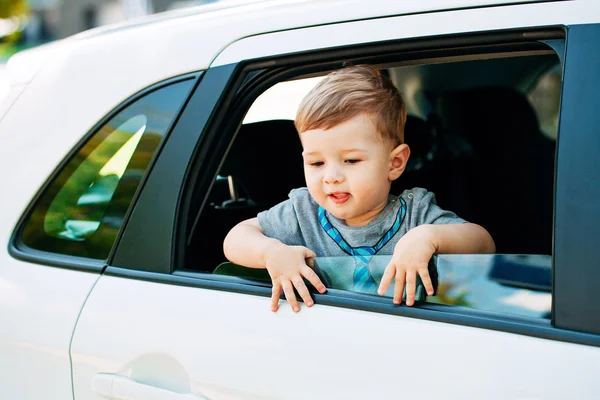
512, 284
82, 210
72, 219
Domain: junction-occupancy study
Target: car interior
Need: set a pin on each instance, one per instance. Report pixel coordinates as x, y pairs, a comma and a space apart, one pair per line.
475, 132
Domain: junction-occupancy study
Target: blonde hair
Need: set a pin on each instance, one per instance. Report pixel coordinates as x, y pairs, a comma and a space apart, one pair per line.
350, 91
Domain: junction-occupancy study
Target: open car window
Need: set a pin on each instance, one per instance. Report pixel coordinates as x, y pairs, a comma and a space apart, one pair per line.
478, 141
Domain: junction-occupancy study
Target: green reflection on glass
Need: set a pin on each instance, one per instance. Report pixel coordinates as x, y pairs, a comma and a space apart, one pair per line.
78, 208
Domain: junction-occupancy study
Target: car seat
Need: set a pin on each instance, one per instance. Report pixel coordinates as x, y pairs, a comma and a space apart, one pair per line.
510, 176
262, 166
435, 163
419, 169
266, 161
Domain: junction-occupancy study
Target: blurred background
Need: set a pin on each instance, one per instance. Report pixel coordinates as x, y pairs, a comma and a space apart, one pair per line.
27, 23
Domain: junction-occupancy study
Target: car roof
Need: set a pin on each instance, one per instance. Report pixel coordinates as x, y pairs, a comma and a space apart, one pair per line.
210, 28
298, 11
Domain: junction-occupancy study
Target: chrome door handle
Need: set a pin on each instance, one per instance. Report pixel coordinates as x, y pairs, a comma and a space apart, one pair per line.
118, 387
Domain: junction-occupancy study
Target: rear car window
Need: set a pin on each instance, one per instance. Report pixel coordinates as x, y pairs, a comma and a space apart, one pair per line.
82, 209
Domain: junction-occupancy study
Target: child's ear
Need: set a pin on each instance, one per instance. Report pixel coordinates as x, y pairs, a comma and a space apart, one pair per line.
398, 159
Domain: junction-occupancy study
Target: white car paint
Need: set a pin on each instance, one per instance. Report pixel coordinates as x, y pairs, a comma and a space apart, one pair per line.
39, 306
410, 26
224, 345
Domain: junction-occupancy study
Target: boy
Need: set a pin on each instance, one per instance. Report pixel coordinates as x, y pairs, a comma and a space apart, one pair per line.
351, 125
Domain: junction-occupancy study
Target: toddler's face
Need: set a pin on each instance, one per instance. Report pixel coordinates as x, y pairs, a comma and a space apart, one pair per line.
347, 169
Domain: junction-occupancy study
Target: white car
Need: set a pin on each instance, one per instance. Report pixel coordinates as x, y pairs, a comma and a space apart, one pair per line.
127, 153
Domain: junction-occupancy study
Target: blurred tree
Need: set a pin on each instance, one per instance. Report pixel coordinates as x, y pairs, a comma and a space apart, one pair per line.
13, 8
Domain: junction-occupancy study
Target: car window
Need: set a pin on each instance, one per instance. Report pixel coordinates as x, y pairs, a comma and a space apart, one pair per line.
514, 284
83, 208
459, 131
504, 283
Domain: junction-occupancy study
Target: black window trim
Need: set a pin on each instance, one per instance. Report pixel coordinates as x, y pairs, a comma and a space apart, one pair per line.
226, 89
576, 267
16, 246
135, 247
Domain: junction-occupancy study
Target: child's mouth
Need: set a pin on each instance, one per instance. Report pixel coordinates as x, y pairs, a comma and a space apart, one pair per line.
339, 198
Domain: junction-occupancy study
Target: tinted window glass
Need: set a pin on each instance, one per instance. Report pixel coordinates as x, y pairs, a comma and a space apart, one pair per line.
83, 208
519, 284
507, 283
513, 284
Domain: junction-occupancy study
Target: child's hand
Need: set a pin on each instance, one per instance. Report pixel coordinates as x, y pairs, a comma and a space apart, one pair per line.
287, 265
411, 256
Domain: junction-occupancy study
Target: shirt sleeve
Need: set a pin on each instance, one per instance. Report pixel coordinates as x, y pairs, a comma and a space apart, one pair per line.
426, 211
281, 222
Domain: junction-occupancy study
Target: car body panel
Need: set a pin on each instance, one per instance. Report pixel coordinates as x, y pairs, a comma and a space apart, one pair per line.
39, 304
298, 13
410, 27
229, 346
39, 308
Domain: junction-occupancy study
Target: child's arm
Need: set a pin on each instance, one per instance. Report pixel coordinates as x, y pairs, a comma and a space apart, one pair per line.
247, 245
414, 250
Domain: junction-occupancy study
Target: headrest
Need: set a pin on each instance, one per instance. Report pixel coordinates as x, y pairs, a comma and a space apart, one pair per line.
266, 159
489, 116
418, 136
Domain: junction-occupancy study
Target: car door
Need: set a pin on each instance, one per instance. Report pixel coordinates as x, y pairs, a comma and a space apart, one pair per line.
152, 330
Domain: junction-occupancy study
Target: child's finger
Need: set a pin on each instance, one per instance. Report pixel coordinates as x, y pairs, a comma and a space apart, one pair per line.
303, 291
426, 279
399, 286
313, 278
308, 253
275, 294
386, 279
290, 296
411, 286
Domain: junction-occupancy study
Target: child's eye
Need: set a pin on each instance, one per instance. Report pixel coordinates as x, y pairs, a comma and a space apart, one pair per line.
352, 161
316, 163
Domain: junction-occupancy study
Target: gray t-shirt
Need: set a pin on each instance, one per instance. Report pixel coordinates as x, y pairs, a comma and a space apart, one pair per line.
295, 222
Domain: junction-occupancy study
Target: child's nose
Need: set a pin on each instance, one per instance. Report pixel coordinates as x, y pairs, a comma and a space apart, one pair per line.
333, 175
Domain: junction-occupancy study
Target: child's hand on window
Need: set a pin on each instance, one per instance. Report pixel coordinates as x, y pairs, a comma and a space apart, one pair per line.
411, 257
287, 266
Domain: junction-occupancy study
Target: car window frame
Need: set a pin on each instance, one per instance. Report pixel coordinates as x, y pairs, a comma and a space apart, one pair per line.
578, 142
233, 85
21, 251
